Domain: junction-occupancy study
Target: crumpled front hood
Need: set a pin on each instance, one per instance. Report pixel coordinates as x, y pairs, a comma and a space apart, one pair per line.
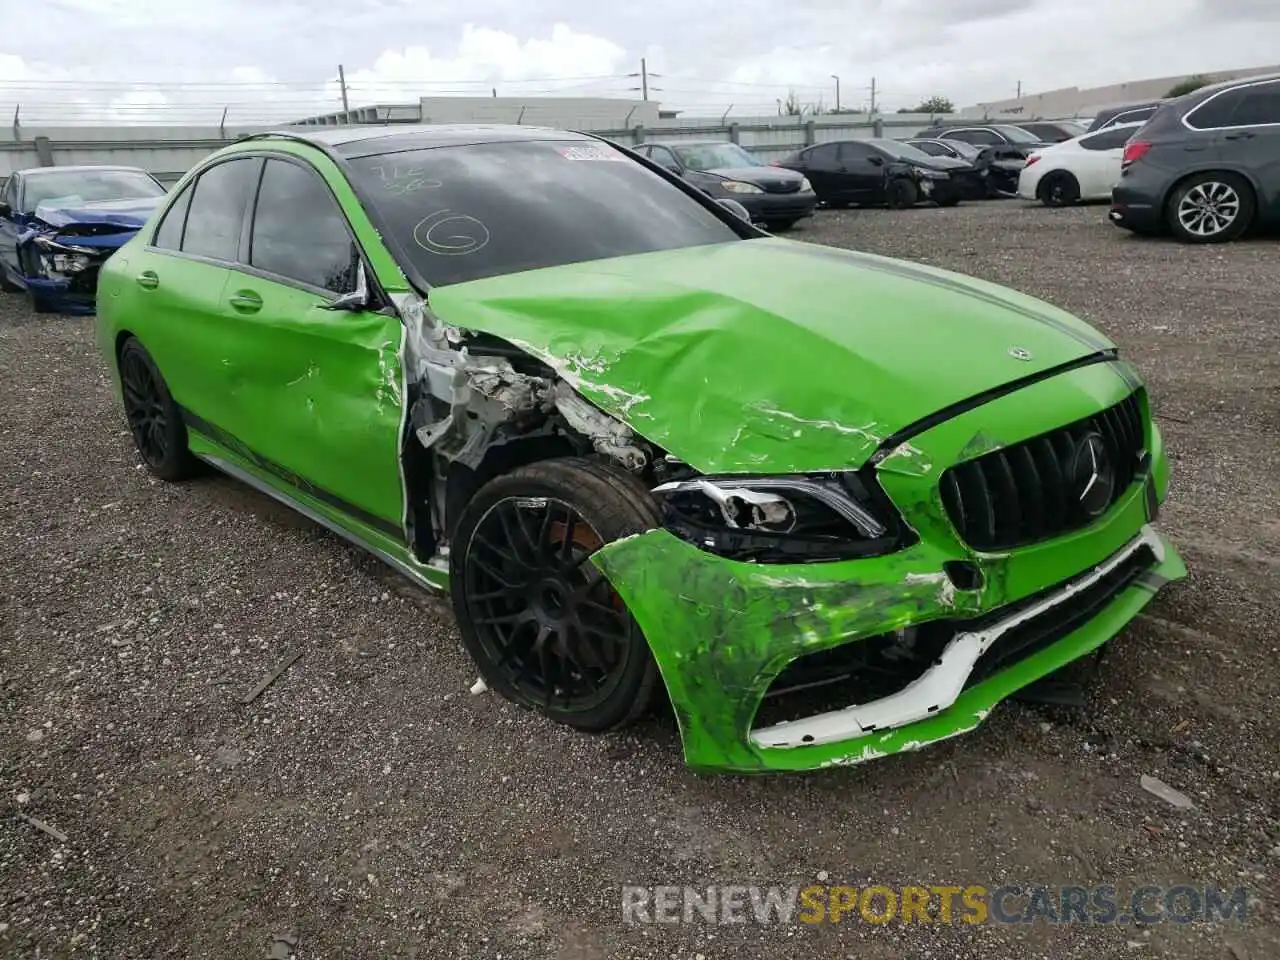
769, 355
127, 214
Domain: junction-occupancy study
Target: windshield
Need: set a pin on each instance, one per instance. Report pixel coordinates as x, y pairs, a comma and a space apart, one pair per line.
902, 151
1018, 135
711, 156
964, 148
85, 186
1071, 127
466, 212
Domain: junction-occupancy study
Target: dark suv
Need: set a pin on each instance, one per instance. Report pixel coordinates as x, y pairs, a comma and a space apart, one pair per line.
1206, 166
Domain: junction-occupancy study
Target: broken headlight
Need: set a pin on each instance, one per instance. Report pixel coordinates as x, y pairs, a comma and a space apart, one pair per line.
64, 258
778, 519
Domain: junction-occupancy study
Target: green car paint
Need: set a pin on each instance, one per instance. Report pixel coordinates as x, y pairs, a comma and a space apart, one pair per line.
770, 355
760, 357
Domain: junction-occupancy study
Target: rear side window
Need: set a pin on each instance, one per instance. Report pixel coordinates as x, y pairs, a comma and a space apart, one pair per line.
299, 232
826, 153
169, 234
216, 214
1108, 139
1217, 111
1261, 104
974, 136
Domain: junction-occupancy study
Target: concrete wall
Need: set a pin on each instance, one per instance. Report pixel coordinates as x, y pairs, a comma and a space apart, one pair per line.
1075, 102
168, 152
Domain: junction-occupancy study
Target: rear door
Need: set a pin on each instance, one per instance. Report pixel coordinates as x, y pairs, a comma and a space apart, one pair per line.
862, 172
314, 393
821, 164
177, 283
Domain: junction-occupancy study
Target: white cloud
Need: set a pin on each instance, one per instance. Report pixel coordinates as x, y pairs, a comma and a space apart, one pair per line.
158, 61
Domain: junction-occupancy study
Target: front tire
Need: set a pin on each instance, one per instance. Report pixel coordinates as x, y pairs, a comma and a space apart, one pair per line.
544, 626
773, 226
155, 421
902, 194
1210, 208
1059, 189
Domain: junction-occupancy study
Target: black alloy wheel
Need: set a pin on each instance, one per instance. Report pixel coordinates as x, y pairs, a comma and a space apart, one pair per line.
154, 419
542, 622
1059, 189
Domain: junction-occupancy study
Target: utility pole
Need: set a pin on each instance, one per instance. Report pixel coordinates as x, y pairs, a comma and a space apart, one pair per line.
1019, 89
342, 81
837, 80
873, 95
644, 79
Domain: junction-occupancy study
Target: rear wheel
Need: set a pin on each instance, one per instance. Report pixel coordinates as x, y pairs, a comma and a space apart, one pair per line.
154, 419
902, 193
1059, 189
544, 626
1210, 208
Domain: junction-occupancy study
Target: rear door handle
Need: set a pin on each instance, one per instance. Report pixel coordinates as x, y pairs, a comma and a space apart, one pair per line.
246, 301
148, 280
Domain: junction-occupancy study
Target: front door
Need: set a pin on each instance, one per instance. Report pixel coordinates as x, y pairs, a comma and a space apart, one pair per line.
317, 392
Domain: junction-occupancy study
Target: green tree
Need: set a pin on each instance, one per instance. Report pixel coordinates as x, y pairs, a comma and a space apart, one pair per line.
1193, 82
933, 105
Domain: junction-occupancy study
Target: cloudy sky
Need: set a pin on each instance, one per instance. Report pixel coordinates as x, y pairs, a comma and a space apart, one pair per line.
267, 60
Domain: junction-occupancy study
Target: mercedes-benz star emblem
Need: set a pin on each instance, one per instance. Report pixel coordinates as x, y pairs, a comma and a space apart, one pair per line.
1018, 353
1093, 475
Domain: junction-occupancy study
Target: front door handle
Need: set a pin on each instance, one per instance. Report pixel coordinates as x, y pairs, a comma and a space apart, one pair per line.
148, 280
246, 301
1242, 135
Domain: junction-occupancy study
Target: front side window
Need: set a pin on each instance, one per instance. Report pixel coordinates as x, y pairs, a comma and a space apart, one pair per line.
471, 211
169, 234
299, 232
78, 187
856, 152
216, 216
663, 158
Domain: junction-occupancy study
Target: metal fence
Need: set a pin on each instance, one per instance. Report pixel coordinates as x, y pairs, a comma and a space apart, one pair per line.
167, 152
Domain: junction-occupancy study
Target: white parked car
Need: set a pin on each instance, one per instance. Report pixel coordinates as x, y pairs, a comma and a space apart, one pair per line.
1081, 169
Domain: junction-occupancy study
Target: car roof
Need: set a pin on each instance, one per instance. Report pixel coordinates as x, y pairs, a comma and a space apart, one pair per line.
78, 168
1228, 84
356, 140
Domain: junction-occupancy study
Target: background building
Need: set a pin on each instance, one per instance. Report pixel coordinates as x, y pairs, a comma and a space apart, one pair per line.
579, 113
1075, 102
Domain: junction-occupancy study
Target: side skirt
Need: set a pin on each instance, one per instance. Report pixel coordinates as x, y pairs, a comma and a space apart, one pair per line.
427, 577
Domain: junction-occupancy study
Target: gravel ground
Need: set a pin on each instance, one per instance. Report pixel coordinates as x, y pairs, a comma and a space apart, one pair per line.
368, 806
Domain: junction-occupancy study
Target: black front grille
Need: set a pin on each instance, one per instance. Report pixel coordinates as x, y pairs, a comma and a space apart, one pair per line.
781, 186
1032, 491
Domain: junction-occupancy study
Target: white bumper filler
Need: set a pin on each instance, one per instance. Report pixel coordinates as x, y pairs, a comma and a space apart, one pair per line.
938, 687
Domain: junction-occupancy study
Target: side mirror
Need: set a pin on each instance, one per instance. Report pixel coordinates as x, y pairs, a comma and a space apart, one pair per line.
357, 299
734, 207
877, 161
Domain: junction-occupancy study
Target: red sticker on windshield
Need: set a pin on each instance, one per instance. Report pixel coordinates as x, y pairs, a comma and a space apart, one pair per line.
589, 152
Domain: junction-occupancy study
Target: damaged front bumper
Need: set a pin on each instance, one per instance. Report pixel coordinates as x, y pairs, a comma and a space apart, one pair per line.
903, 650
61, 271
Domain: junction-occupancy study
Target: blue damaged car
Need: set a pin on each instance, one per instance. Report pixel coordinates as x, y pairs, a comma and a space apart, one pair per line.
58, 225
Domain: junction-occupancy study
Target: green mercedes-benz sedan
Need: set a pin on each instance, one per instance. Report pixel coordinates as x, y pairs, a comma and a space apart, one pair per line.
837, 505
